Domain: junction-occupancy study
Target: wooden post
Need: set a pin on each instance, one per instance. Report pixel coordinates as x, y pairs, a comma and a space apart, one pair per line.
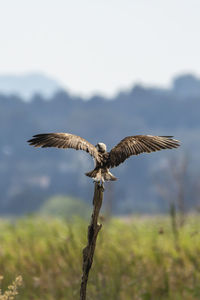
93, 230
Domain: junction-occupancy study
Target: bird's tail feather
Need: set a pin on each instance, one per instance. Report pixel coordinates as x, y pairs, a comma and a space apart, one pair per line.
92, 173
108, 176
99, 174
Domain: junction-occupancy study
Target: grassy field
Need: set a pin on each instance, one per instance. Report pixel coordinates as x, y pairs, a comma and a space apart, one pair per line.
135, 259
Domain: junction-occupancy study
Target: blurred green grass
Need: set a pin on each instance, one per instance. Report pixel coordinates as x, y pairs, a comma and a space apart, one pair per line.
135, 259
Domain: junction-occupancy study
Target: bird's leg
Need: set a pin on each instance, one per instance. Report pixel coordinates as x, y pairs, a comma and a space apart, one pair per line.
102, 184
98, 182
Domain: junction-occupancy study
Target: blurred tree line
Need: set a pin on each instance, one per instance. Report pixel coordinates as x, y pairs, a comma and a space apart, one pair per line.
29, 176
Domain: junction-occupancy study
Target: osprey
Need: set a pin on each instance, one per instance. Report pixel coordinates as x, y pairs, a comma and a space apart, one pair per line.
130, 145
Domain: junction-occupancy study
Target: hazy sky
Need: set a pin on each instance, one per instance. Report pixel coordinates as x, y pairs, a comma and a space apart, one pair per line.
100, 45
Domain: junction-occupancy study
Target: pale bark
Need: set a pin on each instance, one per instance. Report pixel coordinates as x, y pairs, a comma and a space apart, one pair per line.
93, 230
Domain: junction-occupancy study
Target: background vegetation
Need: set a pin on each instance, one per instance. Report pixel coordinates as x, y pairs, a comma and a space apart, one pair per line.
38, 174
139, 258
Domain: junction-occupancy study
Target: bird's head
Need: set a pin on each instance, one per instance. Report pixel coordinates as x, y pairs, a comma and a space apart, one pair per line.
101, 147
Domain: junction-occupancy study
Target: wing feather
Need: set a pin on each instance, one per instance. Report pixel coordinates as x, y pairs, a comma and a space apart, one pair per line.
134, 145
64, 141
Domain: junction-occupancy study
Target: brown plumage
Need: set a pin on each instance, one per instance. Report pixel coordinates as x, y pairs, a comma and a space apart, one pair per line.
134, 145
131, 145
64, 140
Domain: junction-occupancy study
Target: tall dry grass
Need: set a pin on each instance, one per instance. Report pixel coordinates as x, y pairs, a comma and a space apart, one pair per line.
12, 290
134, 260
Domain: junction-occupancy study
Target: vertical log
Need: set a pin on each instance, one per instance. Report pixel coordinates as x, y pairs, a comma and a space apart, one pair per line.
93, 230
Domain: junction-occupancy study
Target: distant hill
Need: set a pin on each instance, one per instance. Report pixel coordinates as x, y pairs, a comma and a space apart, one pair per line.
186, 85
27, 85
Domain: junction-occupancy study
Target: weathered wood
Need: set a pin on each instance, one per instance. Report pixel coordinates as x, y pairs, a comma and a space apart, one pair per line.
93, 230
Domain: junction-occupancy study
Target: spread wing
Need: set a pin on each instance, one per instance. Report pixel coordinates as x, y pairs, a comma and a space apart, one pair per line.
134, 145
64, 140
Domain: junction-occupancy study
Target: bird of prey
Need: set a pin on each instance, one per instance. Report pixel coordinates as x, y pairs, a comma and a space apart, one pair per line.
130, 145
